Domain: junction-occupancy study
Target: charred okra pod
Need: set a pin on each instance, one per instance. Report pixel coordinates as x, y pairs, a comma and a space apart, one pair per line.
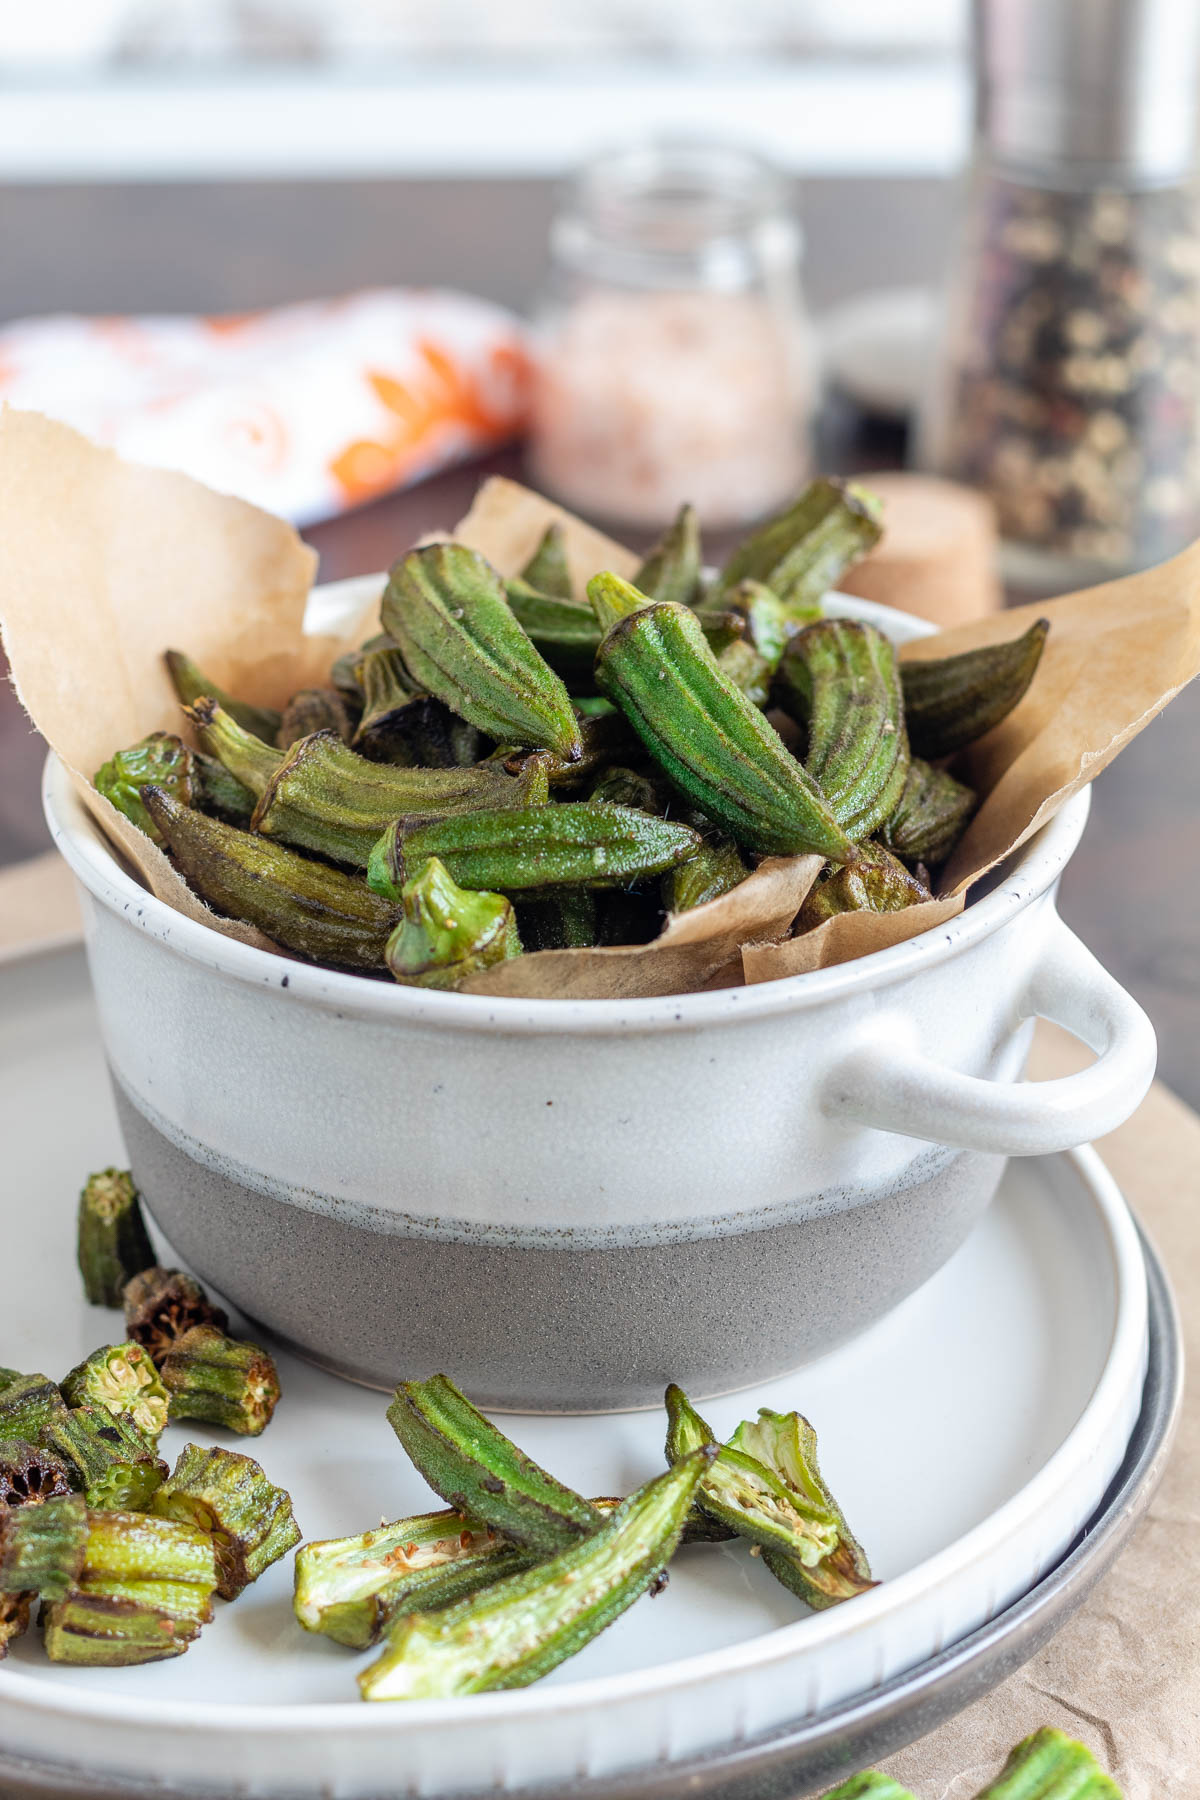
42, 1547
715, 869
314, 709
952, 700
446, 608
879, 883
803, 552
15, 1611
869, 1786
122, 1379
448, 932
160, 758
839, 680
28, 1403
161, 1304
480, 1472
672, 569
112, 1465
1051, 1766
29, 1474
191, 684
547, 568
220, 1380
353, 1589
711, 742
226, 1496
931, 814
143, 1593
317, 912
786, 1445
578, 844
517, 1630
113, 1243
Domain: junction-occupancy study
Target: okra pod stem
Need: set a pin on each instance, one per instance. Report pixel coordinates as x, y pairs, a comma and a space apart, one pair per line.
191, 684
112, 1240
519, 1629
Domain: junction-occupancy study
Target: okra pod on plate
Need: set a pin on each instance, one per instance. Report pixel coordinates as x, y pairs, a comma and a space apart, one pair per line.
42, 1546
950, 701
191, 684
113, 1243
112, 1464
448, 932
1051, 1766
517, 1630
227, 1496
220, 1380
143, 1593
353, 1589
577, 844
16, 1611
28, 1403
161, 1304
786, 1445
480, 1472
29, 1473
713, 744
804, 551
448, 612
317, 912
122, 1379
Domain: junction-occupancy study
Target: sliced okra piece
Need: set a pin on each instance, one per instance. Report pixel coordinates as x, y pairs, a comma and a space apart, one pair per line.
191, 684
785, 1444
480, 1472
143, 1593
1051, 1766
42, 1546
28, 1404
161, 1304
29, 1473
220, 1380
160, 758
15, 1613
519, 1629
228, 1497
112, 1464
123, 1380
113, 1243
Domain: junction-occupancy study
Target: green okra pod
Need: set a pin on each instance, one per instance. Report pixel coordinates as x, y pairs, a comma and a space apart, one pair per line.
769, 622
748, 670
838, 679
930, 816
220, 1380
547, 568
219, 792
314, 709
161, 1304
160, 758
448, 932
480, 1472
391, 703
112, 1464
112, 1242
447, 610
29, 1473
879, 883
191, 684
42, 1547
144, 1591
245, 757
950, 701
122, 1379
563, 631
712, 743
317, 912
869, 1786
28, 1403
804, 551
353, 1589
672, 569
1051, 1766
520, 1628
227, 1497
577, 844
786, 1445
715, 869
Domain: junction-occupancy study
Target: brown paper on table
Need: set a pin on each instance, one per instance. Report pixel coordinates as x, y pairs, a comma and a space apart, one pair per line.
104, 565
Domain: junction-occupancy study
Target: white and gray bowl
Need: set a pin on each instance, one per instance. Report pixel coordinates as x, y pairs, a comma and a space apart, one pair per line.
565, 1204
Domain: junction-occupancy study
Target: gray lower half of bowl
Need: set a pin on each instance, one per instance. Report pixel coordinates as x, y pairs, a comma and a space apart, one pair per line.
566, 1326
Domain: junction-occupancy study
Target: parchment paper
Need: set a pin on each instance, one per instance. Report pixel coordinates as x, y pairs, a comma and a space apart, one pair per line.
104, 565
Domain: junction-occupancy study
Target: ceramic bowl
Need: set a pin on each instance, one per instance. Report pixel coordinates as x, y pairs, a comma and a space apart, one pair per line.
568, 1203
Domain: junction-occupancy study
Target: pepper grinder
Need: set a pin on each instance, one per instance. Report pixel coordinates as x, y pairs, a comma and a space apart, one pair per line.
1068, 388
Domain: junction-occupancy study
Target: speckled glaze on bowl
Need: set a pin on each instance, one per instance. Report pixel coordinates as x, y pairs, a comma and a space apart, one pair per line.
568, 1203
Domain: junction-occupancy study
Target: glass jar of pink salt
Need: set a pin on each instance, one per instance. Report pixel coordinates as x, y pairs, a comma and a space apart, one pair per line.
673, 361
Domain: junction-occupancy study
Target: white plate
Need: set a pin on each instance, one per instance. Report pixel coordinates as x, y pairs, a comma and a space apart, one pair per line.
968, 1435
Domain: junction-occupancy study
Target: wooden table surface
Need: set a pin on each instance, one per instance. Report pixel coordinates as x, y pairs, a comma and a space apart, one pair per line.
1131, 890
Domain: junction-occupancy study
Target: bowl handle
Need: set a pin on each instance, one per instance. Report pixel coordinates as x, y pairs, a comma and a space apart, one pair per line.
897, 1088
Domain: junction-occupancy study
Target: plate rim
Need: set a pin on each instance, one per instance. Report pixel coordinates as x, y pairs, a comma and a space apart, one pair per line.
1123, 1365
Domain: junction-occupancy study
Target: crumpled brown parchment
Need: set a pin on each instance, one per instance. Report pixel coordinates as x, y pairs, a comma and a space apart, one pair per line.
105, 564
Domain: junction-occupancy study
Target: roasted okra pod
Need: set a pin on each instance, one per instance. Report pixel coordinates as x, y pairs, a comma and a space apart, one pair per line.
314, 709
672, 569
28, 1403
123, 1380
112, 1465
228, 1497
448, 932
950, 701
164, 760
801, 554
42, 1547
519, 1629
143, 1593
547, 568
113, 1243
191, 684
869, 1786
786, 1445
879, 883
161, 1304
220, 1380
1051, 1766
930, 816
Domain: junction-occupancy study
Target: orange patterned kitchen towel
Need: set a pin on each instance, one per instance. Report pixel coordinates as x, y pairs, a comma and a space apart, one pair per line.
306, 410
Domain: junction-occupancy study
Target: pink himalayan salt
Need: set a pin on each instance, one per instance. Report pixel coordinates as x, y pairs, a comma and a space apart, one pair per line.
645, 400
